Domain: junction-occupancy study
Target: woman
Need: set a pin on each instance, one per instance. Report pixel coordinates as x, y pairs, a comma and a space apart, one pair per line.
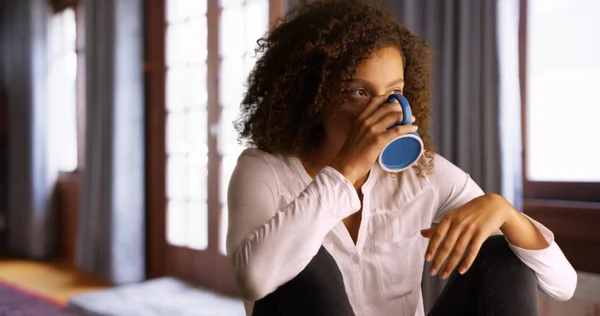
316, 227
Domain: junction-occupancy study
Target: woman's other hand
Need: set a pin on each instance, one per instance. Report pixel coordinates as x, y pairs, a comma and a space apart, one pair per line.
463, 230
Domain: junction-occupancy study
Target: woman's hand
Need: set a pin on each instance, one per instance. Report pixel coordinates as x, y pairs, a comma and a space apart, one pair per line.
368, 137
464, 229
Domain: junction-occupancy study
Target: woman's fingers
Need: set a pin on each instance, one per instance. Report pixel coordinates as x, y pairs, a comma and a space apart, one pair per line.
371, 107
436, 239
474, 246
389, 135
457, 253
389, 119
447, 245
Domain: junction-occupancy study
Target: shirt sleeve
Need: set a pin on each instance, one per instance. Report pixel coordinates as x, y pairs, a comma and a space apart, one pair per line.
556, 277
268, 246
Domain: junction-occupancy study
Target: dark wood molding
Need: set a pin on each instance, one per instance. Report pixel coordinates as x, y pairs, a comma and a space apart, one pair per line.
59, 5
575, 227
155, 136
566, 191
68, 193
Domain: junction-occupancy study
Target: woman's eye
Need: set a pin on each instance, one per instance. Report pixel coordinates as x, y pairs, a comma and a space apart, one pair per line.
358, 93
397, 91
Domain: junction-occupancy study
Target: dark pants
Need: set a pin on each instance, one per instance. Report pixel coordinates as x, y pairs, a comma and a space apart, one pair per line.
497, 283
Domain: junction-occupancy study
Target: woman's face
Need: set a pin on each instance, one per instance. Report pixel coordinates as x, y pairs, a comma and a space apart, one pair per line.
382, 74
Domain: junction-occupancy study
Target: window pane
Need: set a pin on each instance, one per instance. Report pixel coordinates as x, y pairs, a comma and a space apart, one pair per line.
197, 183
227, 141
197, 133
232, 21
176, 136
186, 42
186, 87
256, 22
197, 225
176, 222
180, 10
230, 3
249, 62
62, 106
232, 84
69, 26
176, 177
175, 80
196, 88
562, 128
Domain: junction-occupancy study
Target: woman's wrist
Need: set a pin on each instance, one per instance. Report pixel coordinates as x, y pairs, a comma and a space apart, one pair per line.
344, 169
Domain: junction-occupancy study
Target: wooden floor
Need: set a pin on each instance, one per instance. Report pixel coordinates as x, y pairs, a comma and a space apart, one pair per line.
55, 280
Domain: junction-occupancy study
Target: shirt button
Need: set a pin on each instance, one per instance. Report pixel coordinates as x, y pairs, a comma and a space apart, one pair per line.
356, 258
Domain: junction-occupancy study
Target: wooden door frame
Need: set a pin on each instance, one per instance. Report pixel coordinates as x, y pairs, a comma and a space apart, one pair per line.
216, 271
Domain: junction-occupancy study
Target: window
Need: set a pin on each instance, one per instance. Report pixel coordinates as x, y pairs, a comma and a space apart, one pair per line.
198, 56
560, 80
186, 123
62, 91
188, 112
563, 97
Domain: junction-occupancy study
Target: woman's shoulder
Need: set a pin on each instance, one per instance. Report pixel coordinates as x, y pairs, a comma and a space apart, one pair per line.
257, 157
258, 162
443, 171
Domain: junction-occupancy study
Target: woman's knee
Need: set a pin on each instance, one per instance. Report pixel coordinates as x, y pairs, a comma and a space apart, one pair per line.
316, 290
496, 258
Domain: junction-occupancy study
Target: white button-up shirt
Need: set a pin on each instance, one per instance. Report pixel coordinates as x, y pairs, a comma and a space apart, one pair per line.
279, 217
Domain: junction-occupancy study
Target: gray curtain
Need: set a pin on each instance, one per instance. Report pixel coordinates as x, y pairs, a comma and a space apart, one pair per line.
111, 232
30, 179
466, 96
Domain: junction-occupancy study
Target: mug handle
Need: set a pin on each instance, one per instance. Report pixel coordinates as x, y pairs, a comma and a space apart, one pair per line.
406, 111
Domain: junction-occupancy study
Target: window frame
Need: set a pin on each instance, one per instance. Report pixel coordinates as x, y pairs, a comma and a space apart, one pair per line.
570, 209
551, 190
217, 274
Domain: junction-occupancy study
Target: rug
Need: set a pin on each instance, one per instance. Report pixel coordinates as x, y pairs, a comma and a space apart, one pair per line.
17, 301
158, 297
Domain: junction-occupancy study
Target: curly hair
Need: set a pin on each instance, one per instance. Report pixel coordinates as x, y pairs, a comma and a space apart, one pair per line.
306, 64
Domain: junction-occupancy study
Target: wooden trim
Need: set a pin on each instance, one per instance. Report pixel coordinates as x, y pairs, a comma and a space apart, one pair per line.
68, 195
59, 5
155, 136
214, 113
222, 280
277, 9
523, 81
568, 191
575, 227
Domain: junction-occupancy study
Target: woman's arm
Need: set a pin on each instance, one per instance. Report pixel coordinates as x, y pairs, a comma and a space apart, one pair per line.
459, 196
267, 246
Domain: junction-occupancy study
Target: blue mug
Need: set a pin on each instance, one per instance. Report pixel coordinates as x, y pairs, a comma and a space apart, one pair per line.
404, 150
